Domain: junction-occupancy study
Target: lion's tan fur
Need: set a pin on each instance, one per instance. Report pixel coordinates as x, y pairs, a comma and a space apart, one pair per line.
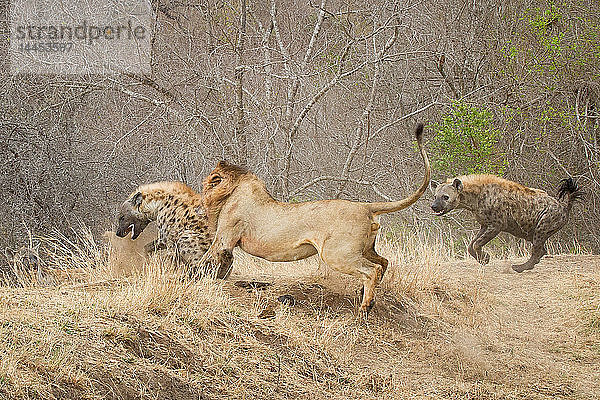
128, 256
217, 188
242, 213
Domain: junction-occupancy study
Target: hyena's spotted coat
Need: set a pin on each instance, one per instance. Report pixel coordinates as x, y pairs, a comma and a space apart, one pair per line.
174, 206
500, 205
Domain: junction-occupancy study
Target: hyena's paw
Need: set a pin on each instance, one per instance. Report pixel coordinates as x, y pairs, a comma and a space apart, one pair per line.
484, 258
522, 267
150, 248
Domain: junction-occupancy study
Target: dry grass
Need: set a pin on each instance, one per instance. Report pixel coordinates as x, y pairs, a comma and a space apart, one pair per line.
443, 327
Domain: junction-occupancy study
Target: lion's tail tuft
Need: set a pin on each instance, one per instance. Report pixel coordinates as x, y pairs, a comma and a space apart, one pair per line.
419, 133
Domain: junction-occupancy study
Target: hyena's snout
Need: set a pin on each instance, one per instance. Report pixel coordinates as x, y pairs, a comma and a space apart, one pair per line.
437, 206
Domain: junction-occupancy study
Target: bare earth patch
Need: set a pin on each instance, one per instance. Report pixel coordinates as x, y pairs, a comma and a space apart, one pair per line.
472, 333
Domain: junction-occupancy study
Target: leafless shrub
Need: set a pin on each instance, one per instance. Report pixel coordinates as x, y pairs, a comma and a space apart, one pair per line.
317, 98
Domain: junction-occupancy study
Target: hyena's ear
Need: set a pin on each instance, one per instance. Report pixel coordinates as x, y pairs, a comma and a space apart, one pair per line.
458, 185
433, 185
224, 164
136, 200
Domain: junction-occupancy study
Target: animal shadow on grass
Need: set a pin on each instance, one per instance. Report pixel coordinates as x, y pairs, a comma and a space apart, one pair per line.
316, 299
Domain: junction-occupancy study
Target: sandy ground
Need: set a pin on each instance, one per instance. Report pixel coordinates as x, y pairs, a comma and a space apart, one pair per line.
475, 333
494, 329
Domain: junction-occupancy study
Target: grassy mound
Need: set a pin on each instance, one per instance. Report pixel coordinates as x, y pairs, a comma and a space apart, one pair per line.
440, 329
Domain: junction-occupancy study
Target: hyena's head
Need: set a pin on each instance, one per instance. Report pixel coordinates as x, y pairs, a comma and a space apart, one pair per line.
447, 196
132, 217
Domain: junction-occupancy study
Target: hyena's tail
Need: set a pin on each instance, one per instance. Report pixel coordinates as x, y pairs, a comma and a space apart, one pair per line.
569, 190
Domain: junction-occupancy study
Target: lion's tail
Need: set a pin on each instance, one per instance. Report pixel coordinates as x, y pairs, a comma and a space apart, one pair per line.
387, 207
569, 191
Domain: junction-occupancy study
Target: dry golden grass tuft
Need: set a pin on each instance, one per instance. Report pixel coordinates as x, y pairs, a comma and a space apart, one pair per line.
443, 328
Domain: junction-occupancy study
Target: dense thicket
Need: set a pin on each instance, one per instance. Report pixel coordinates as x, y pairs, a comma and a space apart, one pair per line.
319, 99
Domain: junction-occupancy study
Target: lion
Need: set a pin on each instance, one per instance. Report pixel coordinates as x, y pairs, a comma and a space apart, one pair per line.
242, 213
182, 226
500, 205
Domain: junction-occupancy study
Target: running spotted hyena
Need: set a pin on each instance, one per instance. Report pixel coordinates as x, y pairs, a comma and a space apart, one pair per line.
500, 205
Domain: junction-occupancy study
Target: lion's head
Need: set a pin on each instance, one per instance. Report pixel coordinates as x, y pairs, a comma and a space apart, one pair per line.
218, 186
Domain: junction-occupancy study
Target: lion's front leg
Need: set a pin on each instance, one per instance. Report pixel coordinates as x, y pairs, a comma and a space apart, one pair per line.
210, 263
218, 266
225, 263
218, 260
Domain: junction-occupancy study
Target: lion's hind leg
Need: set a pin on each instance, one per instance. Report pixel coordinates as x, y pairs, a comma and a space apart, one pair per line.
371, 273
372, 256
359, 266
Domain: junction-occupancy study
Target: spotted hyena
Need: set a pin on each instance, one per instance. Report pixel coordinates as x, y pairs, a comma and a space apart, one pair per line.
177, 210
500, 205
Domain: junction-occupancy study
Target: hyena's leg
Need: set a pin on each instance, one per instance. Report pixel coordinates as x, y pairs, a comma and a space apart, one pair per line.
485, 234
537, 252
549, 224
155, 245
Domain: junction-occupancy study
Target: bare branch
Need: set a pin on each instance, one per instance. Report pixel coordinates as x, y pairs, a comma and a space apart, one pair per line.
240, 129
339, 179
364, 124
396, 121
293, 89
440, 68
284, 52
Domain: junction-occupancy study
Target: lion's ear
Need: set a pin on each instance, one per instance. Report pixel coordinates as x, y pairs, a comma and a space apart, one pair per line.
222, 164
136, 200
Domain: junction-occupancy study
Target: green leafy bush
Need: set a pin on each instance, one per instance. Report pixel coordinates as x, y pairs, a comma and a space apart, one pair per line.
465, 142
